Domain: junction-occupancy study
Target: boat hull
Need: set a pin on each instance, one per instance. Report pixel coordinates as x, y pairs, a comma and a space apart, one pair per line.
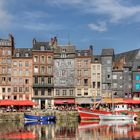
28, 117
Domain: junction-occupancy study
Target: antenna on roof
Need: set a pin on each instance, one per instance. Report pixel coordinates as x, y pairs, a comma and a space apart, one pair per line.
69, 39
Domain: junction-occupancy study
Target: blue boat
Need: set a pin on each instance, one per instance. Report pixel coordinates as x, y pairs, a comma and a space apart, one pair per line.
28, 117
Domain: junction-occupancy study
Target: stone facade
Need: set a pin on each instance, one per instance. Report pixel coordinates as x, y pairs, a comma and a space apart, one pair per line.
64, 66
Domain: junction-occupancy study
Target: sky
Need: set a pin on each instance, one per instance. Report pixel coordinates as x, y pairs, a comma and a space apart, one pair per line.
101, 23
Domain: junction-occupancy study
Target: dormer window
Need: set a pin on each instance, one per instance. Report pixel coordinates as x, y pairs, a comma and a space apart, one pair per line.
17, 54
86, 53
42, 48
79, 54
26, 54
64, 50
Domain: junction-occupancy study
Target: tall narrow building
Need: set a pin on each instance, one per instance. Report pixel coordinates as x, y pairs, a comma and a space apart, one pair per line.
22, 74
64, 85
42, 74
6, 51
84, 93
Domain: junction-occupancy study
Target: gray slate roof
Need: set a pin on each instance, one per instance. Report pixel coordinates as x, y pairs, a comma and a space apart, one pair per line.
22, 52
107, 52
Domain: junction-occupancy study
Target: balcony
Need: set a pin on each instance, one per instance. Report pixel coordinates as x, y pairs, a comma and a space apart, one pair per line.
44, 85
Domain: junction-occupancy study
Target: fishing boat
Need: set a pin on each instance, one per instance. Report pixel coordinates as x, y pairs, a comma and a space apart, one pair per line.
119, 114
28, 117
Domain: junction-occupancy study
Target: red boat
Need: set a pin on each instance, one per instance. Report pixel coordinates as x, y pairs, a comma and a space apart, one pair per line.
87, 114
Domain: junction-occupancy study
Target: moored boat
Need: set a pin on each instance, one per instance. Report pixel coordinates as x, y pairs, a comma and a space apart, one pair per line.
28, 117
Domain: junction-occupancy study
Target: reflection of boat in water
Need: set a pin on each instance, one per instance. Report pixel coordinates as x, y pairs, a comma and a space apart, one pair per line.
102, 123
18, 135
38, 122
38, 118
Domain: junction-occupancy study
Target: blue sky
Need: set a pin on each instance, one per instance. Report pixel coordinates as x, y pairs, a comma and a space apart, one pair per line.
102, 23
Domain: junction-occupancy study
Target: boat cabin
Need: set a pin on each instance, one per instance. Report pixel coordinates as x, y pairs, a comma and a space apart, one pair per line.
120, 107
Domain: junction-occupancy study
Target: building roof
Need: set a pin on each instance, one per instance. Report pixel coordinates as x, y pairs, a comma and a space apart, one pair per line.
96, 59
107, 52
22, 52
41, 45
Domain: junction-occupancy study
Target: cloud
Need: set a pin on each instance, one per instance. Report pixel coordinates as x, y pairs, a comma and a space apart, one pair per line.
5, 17
100, 27
115, 10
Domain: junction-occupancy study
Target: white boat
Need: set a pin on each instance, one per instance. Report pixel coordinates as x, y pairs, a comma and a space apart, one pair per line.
116, 117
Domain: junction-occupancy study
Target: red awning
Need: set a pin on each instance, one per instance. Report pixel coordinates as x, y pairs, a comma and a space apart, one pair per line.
17, 103
64, 101
130, 101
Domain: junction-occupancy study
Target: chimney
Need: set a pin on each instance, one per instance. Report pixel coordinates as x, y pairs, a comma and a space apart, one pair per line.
34, 41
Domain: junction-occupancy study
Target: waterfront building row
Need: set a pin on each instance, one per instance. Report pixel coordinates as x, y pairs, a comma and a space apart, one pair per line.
53, 74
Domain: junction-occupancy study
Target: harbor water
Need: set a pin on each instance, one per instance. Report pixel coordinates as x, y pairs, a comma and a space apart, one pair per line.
70, 130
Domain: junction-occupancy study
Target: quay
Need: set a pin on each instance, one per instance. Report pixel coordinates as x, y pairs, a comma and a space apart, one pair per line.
60, 115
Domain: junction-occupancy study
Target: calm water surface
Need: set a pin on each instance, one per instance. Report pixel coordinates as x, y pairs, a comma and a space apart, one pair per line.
70, 130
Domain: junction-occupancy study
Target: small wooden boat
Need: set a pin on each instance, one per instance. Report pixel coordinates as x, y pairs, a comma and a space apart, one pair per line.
28, 117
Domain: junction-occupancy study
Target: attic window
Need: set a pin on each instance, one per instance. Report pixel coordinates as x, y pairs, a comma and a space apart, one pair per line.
79, 54
17, 54
64, 50
42, 48
26, 54
86, 53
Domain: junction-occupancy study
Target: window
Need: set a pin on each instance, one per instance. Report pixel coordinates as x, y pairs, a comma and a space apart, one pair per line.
64, 92
114, 76
43, 92
98, 67
137, 77
20, 89
86, 62
27, 72
26, 81
49, 92
49, 80
78, 81
79, 72
85, 72
98, 75
3, 70
42, 80
20, 72
9, 89
42, 48
137, 86
17, 54
35, 59
15, 63
27, 89
43, 59
27, 64
85, 82
9, 79
9, 70
85, 93
115, 85
9, 60
57, 92
3, 79
71, 92
20, 64
14, 80
36, 92
49, 70
94, 67
108, 76
36, 80
15, 89
42, 70
49, 59
108, 61
98, 84
93, 84
26, 54
35, 69
20, 80
9, 52
3, 90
